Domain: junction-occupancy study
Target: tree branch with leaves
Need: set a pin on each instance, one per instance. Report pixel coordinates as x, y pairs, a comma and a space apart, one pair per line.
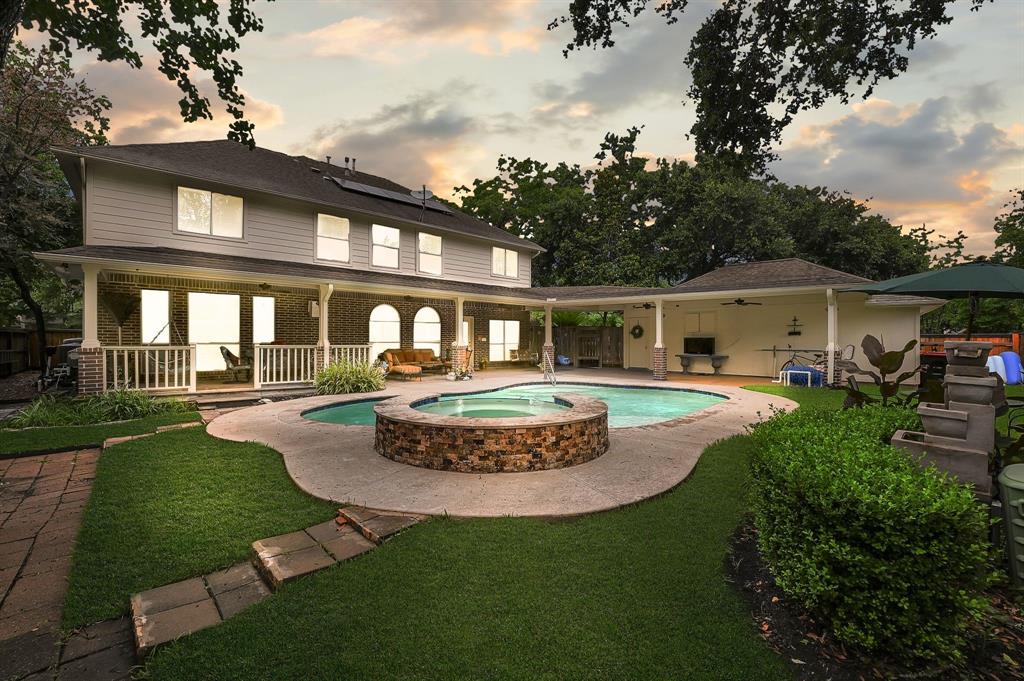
190, 37
755, 64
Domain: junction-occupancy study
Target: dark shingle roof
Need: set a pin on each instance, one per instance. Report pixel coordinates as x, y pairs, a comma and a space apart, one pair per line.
230, 163
783, 273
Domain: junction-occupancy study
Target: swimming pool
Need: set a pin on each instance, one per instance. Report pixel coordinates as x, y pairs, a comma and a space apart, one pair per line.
627, 407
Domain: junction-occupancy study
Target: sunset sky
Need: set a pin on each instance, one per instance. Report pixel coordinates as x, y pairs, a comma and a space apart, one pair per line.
433, 91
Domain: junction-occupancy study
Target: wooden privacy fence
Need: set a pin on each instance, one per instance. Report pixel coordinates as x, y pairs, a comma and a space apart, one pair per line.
1001, 342
19, 348
599, 346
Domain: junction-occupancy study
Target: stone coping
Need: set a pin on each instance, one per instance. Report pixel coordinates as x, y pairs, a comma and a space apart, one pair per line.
338, 462
403, 409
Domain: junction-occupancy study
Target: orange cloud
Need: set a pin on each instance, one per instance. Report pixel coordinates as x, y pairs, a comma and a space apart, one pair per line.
416, 26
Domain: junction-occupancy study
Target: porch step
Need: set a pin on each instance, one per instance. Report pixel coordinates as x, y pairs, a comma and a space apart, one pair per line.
246, 398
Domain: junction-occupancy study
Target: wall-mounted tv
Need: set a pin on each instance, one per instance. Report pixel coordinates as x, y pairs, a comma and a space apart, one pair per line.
699, 345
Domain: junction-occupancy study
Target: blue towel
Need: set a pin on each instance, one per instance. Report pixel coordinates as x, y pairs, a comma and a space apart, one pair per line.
1011, 362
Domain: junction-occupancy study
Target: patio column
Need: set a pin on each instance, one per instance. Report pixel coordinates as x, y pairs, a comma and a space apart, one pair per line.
91, 373
832, 329
323, 346
548, 351
660, 355
461, 345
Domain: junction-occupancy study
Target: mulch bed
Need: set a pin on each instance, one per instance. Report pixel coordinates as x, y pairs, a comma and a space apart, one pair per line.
19, 387
995, 653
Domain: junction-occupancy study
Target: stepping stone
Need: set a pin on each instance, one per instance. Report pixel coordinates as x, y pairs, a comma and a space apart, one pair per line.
348, 545
169, 597
357, 514
281, 544
110, 664
326, 531
285, 567
96, 637
384, 526
232, 578
236, 600
153, 630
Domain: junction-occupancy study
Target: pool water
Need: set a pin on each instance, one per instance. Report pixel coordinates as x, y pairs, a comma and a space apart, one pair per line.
486, 406
352, 414
627, 407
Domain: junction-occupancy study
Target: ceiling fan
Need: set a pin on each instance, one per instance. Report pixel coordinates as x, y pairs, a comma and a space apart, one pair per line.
646, 306
741, 302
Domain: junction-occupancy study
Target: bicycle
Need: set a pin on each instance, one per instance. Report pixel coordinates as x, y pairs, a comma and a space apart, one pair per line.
819, 360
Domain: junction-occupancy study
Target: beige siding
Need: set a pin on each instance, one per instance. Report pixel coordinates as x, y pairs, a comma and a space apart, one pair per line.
135, 208
743, 333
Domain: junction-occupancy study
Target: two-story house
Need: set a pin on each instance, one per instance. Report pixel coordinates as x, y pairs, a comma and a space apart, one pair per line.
290, 263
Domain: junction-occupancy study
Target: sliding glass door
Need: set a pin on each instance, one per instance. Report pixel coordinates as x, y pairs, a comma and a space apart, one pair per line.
213, 320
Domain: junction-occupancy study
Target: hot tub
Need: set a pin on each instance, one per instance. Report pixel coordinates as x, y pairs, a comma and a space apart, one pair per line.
491, 436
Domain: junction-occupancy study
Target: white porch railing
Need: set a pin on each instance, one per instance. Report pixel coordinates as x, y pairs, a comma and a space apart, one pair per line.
282, 364
150, 367
350, 353
279, 364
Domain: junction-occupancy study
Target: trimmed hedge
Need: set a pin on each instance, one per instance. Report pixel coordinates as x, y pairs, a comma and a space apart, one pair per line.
891, 554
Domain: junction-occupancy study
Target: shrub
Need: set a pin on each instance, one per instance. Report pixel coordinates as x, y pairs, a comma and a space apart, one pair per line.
342, 378
893, 555
116, 405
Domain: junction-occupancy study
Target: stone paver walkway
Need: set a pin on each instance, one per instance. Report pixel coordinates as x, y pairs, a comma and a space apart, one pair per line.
169, 612
338, 462
42, 499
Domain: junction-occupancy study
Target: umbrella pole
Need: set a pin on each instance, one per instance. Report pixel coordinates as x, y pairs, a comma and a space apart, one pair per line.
972, 310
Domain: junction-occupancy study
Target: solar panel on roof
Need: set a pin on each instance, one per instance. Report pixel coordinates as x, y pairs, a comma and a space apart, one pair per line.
370, 190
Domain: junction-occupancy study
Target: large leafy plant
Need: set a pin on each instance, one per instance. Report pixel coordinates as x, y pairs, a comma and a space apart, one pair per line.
886, 374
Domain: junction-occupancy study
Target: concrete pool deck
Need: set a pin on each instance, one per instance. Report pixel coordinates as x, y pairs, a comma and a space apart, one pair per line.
338, 462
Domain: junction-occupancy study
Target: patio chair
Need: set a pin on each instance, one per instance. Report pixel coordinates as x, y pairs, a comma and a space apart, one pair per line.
234, 365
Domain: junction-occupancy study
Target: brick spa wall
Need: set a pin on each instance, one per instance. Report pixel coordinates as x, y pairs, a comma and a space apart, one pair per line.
491, 445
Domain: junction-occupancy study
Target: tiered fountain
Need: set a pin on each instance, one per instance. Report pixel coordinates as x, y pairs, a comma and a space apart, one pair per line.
960, 432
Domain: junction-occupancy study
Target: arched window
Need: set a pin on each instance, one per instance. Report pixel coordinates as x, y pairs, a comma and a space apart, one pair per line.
426, 330
385, 330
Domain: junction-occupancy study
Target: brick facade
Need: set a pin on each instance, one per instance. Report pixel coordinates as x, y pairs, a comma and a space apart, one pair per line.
660, 363
90, 371
482, 314
348, 321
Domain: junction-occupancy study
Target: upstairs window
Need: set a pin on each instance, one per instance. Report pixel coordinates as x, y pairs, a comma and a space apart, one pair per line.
429, 253
203, 212
332, 238
504, 262
385, 246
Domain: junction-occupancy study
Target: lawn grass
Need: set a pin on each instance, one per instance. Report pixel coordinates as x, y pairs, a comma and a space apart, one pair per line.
13, 442
636, 593
177, 505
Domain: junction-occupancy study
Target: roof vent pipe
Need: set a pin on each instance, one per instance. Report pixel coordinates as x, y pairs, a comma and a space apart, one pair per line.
353, 164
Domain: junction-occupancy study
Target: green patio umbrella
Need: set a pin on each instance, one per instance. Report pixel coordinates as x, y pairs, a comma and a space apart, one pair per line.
980, 279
